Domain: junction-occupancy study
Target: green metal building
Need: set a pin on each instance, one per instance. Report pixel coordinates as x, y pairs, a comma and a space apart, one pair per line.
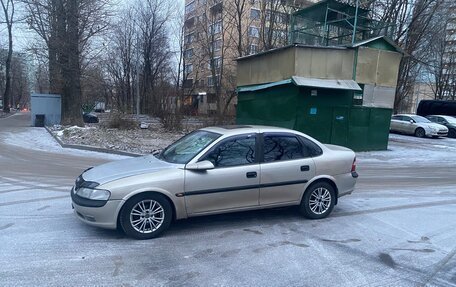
336, 81
339, 95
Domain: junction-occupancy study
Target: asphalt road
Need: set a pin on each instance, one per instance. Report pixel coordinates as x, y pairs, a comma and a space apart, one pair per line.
397, 229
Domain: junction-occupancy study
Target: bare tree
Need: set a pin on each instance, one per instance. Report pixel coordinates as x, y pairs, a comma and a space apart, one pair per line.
66, 26
152, 21
8, 12
121, 60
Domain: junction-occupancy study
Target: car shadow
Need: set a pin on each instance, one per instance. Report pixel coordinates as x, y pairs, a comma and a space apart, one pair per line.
244, 220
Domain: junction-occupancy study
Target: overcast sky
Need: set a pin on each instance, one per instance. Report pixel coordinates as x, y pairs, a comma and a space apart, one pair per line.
23, 37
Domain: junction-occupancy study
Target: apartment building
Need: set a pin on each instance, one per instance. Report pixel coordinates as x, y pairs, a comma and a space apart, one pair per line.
450, 52
216, 32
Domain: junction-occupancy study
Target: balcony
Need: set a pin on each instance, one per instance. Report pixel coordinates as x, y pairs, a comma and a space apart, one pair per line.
217, 6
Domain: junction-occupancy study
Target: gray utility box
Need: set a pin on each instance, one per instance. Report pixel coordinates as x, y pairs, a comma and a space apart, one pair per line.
46, 109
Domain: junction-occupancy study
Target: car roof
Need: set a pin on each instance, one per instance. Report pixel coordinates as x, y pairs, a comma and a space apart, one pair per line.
237, 129
408, 115
443, 116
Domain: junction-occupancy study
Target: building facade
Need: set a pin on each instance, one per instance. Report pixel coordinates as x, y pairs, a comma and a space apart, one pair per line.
449, 71
216, 32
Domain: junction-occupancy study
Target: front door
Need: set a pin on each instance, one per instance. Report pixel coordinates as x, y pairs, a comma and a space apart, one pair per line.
232, 184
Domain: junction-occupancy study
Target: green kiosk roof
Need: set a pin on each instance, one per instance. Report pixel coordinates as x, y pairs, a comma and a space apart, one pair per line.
306, 82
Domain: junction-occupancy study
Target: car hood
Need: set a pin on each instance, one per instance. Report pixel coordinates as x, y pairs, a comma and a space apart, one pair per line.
124, 168
433, 125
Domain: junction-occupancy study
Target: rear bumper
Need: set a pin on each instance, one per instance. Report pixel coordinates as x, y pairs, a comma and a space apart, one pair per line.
346, 183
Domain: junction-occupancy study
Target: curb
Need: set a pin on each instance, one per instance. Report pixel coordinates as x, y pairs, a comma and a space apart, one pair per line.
91, 148
9, 116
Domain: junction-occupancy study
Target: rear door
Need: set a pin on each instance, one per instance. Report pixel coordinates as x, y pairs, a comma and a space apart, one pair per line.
232, 184
286, 167
396, 124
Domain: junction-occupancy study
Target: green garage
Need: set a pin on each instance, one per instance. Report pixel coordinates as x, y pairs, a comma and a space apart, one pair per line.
338, 95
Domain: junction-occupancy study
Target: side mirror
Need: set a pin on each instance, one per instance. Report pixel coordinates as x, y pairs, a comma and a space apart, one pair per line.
202, 165
411, 121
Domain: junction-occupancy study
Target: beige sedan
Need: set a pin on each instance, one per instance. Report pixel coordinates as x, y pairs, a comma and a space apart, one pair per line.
215, 170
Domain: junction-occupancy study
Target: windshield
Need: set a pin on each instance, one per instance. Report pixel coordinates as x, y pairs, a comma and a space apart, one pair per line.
183, 150
420, 119
451, 120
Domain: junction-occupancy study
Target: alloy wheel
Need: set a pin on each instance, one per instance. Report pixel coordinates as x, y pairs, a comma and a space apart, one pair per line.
147, 216
320, 200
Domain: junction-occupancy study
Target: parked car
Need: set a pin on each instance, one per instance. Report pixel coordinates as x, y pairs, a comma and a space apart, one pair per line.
448, 121
416, 125
89, 118
215, 170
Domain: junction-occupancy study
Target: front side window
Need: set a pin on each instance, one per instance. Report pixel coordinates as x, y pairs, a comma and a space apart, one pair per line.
281, 147
420, 119
186, 148
233, 152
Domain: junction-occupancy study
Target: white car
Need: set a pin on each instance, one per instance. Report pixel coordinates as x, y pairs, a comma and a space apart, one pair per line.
215, 170
417, 125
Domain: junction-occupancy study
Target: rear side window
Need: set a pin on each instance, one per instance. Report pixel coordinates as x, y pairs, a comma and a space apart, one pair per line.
281, 147
310, 148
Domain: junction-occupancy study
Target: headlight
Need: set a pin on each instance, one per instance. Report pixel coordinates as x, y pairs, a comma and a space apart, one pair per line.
434, 129
95, 194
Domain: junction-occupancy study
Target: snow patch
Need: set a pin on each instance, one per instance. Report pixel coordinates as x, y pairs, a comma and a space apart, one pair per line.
40, 139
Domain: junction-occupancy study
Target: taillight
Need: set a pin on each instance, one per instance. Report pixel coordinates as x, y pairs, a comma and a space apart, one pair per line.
354, 165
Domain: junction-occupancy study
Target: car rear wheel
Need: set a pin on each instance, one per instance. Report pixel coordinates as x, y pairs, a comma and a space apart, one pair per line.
452, 133
318, 200
146, 216
419, 132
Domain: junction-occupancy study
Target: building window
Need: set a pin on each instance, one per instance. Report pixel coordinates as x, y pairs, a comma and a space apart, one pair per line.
216, 45
216, 62
254, 32
358, 98
188, 54
188, 83
215, 28
188, 69
253, 49
190, 7
254, 14
189, 38
276, 17
212, 81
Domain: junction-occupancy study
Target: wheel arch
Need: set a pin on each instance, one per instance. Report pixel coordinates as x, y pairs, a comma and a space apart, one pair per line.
328, 179
420, 127
139, 193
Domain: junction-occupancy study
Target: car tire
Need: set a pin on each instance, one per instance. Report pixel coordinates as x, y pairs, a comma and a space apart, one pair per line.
318, 200
452, 133
420, 132
146, 216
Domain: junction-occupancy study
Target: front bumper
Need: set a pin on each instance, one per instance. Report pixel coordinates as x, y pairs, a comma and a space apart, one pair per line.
104, 216
440, 133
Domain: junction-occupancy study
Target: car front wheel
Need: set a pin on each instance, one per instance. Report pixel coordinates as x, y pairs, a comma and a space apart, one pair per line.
452, 133
146, 216
318, 200
419, 132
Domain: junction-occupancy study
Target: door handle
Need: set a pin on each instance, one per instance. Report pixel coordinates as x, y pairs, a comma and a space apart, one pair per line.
305, 168
251, 174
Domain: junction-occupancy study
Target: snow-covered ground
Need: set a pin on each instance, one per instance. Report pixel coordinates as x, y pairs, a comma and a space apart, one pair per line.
142, 141
407, 150
40, 139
